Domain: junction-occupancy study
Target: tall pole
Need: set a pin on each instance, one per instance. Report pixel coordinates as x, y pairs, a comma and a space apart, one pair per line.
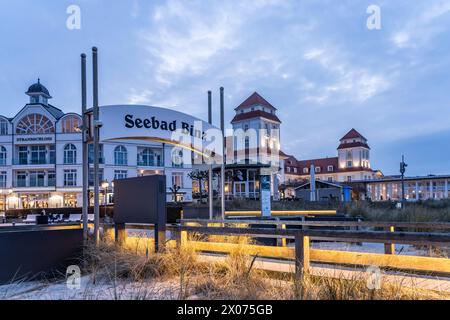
403, 166
96, 146
210, 171
222, 168
85, 162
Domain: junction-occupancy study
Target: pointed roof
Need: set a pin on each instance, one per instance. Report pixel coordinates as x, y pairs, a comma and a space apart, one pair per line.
353, 134
255, 99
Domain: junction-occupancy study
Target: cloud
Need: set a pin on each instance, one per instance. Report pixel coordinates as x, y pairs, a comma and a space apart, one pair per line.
139, 97
422, 26
346, 80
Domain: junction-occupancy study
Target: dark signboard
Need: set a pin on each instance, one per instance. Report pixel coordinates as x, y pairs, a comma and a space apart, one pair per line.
140, 200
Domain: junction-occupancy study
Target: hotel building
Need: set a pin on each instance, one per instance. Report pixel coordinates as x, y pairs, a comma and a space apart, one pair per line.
351, 164
41, 158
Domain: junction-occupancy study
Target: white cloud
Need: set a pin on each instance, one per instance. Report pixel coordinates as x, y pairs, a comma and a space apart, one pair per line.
139, 97
421, 27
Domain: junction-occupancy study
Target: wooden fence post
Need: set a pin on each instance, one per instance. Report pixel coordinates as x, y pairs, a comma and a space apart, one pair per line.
389, 248
120, 233
302, 263
281, 242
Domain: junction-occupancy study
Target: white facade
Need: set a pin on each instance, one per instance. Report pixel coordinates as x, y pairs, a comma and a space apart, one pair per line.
41, 158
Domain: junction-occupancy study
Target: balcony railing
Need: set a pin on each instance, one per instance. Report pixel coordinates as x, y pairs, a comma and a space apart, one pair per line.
32, 162
36, 184
149, 164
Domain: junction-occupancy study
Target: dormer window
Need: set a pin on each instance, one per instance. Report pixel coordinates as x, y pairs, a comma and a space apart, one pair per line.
305, 170
317, 169
330, 168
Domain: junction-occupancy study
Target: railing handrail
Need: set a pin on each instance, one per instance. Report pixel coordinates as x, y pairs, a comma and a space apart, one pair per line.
282, 212
34, 227
368, 236
384, 224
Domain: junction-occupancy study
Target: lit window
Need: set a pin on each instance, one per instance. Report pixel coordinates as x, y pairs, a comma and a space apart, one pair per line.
71, 124
177, 179
35, 124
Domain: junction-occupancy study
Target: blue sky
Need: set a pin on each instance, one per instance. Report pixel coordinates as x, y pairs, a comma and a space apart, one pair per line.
316, 61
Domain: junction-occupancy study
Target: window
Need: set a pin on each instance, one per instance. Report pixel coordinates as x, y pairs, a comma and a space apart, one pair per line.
71, 124
70, 178
21, 179
330, 179
349, 178
177, 158
349, 164
120, 156
70, 154
330, 168
37, 178
35, 124
295, 170
120, 174
91, 176
305, 170
38, 154
246, 127
317, 169
51, 176
91, 153
3, 127
23, 155
52, 154
3, 178
146, 158
3, 155
177, 179
288, 169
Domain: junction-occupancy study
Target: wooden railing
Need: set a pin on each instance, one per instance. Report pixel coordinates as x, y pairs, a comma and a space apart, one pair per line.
302, 254
282, 213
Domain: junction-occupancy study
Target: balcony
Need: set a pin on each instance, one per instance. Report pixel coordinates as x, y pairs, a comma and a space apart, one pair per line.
149, 163
51, 183
33, 162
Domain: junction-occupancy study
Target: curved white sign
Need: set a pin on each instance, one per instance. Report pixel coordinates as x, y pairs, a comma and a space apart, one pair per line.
139, 122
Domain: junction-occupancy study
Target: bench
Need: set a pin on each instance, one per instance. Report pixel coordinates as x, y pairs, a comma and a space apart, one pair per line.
31, 218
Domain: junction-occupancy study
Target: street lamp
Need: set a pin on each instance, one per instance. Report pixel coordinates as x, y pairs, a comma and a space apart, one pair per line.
105, 186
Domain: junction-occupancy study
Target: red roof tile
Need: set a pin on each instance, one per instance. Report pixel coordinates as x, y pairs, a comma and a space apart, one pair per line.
353, 134
254, 114
255, 99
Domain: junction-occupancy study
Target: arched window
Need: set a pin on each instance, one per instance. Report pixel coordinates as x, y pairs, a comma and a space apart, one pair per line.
146, 158
120, 156
3, 156
177, 157
35, 124
71, 124
70, 154
3, 127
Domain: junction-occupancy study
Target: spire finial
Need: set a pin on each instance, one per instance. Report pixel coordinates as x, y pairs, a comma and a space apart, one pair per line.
39, 80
